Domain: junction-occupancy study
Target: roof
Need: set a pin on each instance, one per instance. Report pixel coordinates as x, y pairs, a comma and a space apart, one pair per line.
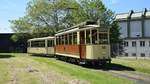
79, 25
78, 29
43, 38
137, 15
133, 15
148, 14
122, 16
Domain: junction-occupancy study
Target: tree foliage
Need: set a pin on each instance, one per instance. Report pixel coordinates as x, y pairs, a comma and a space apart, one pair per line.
46, 17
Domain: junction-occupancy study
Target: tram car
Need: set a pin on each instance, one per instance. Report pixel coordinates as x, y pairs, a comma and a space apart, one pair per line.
41, 46
84, 43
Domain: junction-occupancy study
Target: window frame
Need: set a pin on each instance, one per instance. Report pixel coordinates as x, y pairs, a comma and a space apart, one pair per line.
142, 43
134, 43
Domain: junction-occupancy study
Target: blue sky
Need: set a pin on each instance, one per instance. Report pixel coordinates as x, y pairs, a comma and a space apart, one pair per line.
10, 9
13, 9
122, 6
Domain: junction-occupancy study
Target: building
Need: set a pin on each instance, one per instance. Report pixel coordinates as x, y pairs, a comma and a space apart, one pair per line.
7, 45
135, 32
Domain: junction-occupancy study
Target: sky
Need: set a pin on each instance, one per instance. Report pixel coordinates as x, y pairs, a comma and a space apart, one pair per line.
13, 9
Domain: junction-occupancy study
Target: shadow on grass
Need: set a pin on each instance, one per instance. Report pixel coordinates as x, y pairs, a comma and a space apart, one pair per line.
41, 55
112, 66
6, 56
105, 67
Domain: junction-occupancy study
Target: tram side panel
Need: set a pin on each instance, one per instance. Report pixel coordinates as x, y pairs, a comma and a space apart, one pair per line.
100, 52
42, 46
68, 50
37, 50
85, 52
51, 50
89, 52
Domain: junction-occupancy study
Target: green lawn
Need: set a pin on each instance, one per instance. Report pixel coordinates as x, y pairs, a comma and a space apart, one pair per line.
140, 65
15, 68
82, 73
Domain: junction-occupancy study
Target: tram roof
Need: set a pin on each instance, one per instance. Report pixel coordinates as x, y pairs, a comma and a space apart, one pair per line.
79, 27
43, 38
86, 27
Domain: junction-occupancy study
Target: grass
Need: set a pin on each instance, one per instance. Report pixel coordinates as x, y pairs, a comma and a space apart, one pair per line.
4, 73
13, 70
139, 65
82, 73
15, 66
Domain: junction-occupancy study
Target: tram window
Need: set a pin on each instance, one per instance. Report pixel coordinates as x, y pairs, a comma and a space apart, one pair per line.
49, 43
62, 40
70, 38
88, 37
103, 38
94, 37
28, 44
52, 43
41, 44
82, 37
38, 43
33, 43
57, 40
66, 39
75, 38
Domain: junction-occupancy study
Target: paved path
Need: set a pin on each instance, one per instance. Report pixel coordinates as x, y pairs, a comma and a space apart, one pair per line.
138, 77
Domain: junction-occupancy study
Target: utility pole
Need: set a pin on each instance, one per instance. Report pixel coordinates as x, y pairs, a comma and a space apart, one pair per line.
137, 45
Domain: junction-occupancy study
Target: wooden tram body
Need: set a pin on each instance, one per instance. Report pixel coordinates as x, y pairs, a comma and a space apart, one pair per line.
84, 43
42, 46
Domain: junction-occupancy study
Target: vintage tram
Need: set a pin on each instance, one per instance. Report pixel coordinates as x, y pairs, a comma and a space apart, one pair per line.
41, 46
83, 43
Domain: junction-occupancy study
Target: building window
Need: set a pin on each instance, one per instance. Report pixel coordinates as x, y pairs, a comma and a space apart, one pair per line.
142, 43
142, 55
126, 44
126, 54
133, 43
133, 54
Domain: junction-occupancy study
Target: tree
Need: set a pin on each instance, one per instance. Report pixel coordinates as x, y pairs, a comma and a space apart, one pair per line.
46, 17
116, 48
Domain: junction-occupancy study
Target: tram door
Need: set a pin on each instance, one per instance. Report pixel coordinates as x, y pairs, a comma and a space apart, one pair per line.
82, 45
